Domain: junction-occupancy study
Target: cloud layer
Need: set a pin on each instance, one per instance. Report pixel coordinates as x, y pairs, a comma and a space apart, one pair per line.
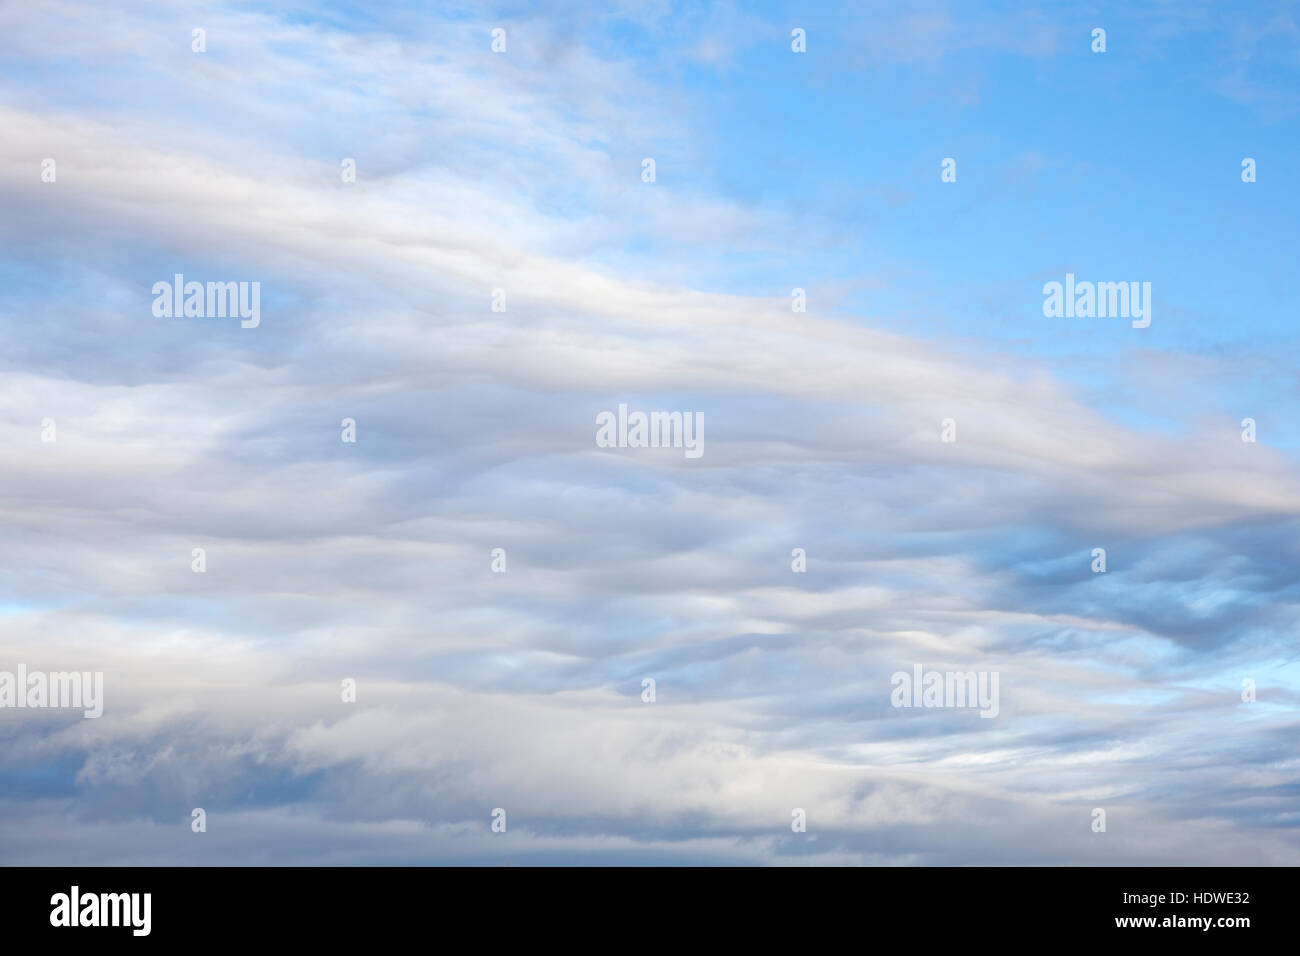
522, 690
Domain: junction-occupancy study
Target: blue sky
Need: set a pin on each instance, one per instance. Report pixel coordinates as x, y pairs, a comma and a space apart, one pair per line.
521, 171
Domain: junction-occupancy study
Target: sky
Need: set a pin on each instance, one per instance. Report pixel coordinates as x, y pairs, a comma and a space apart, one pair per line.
1162, 690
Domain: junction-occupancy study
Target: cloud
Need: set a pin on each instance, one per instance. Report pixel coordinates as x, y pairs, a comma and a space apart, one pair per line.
328, 560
